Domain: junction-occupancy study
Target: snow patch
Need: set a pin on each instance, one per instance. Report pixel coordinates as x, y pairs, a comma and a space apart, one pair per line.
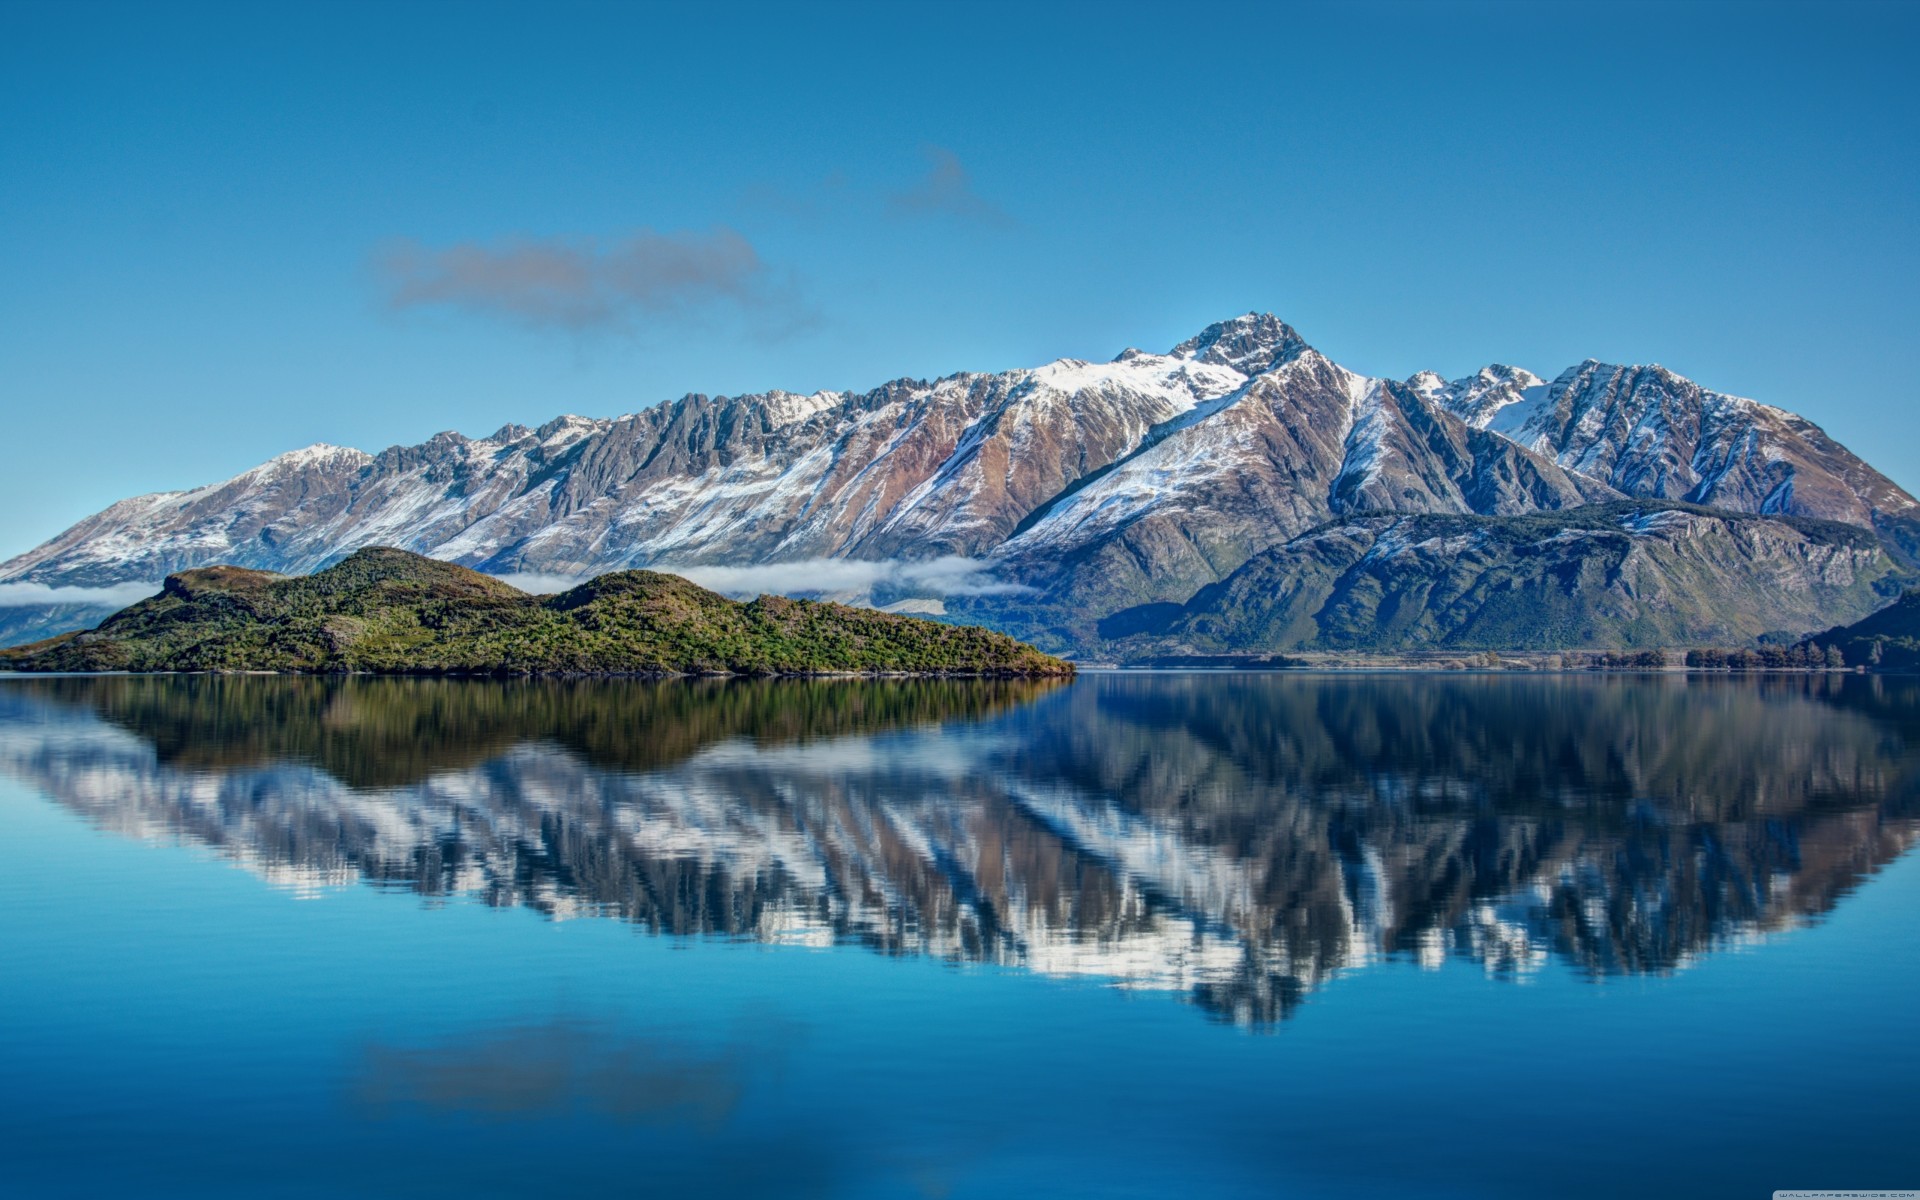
1664, 521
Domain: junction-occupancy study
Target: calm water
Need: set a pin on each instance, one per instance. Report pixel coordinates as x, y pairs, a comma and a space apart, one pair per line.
1135, 935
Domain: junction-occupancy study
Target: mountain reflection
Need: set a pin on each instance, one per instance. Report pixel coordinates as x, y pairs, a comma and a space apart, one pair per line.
1237, 839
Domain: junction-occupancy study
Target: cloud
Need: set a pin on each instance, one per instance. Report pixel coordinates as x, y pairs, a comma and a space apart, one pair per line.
33, 595
586, 284
541, 584
947, 190
951, 575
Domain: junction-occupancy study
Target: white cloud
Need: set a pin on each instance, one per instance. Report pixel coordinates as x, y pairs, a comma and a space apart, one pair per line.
539, 584
951, 575
33, 595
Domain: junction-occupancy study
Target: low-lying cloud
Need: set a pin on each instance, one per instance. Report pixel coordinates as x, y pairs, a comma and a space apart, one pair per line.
951, 575
36, 595
586, 283
541, 584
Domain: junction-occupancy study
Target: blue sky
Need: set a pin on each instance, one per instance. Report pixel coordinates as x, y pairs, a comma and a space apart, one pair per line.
229, 231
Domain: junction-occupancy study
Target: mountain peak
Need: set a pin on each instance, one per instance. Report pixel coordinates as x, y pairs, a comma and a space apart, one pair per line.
1249, 344
1502, 373
318, 452
785, 408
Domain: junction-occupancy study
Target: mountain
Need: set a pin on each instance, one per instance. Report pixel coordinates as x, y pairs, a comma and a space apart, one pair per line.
1632, 574
1053, 496
388, 611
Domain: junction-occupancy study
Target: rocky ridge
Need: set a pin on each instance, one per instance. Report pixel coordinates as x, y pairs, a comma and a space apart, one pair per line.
1630, 574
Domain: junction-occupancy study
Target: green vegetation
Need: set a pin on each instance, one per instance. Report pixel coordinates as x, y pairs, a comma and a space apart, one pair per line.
1804, 656
391, 612
1888, 640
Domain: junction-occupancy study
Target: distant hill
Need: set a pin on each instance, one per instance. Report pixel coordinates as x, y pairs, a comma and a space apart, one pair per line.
1634, 575
1888, 640
390, 611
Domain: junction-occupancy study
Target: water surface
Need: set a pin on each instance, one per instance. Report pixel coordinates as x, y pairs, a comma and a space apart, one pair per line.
1132, 935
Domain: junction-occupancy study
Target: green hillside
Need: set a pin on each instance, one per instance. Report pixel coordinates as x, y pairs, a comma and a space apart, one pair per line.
1888, 640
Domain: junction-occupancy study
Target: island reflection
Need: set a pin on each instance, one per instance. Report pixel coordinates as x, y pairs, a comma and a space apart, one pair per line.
1237, 839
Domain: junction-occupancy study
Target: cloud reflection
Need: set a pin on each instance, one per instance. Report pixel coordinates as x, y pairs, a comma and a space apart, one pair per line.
565, 1066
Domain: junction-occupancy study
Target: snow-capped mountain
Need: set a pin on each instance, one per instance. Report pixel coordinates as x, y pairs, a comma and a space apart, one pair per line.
1090, 486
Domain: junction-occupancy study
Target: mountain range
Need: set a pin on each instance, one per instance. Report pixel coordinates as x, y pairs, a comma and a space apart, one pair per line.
1079, 504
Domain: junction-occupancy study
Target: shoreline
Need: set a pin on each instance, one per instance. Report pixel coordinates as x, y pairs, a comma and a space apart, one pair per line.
1081, 669
1568, 662
506, 674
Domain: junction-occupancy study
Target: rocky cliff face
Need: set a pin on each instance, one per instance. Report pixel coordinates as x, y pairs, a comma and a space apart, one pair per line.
1091, 487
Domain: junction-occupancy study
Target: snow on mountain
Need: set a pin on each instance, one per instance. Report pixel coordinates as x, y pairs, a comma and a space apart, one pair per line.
1478, 397
1183, 465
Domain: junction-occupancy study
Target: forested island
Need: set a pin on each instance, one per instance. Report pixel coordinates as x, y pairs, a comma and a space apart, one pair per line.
387, 611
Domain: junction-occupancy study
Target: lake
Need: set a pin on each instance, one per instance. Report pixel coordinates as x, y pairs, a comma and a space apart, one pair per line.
1136, 934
